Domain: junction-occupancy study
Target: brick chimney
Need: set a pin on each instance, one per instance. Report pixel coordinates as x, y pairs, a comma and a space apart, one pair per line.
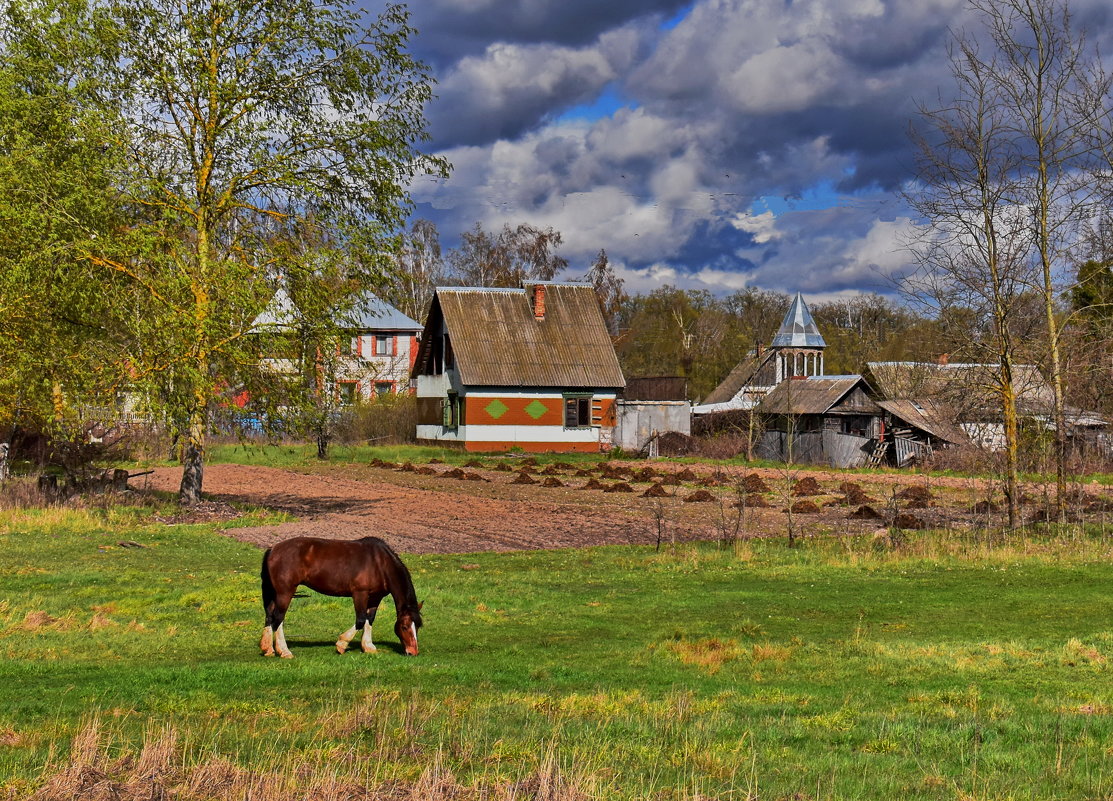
539, 301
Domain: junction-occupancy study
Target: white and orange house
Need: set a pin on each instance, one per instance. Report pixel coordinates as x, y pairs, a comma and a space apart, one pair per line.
531, 368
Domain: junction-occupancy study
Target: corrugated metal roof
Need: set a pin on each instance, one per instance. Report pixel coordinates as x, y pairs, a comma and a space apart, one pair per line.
798, 329
814, 395
497, 340
964, 385
369, 312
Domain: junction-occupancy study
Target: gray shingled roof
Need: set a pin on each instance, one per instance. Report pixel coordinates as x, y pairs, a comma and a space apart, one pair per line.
798, 329
369, 313
497, 341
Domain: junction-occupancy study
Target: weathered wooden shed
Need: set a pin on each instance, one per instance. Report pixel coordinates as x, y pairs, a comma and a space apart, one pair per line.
826, 420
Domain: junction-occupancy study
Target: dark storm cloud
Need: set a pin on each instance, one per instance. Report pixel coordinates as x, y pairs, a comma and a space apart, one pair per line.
453, 29
739, 101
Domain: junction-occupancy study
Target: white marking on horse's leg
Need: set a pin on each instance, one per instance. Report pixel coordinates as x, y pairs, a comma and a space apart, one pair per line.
266, 643
345, 638
280, 643
365, 643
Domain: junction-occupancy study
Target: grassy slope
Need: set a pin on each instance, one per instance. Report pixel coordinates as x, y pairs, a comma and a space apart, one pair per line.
829, 670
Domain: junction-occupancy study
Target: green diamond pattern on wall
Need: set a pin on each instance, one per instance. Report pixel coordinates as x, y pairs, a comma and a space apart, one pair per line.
535, 409
496, 408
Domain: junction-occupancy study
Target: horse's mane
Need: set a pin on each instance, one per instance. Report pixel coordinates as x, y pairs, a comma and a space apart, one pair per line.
409, 594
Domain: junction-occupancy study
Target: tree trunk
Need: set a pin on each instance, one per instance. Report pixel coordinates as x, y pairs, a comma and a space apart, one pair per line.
193, 459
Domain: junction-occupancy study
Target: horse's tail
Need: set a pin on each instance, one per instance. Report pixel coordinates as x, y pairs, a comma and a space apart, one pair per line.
268, 586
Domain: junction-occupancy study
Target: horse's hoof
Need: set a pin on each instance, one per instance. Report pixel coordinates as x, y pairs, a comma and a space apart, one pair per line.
341, 647
369, 649
287, 655
268, 653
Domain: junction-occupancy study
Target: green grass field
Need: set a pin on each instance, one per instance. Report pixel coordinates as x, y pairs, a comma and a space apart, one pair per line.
941, 669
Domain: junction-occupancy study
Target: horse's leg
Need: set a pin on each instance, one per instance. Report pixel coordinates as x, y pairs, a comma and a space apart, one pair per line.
369, 612
266, 642
281, 604
359, 600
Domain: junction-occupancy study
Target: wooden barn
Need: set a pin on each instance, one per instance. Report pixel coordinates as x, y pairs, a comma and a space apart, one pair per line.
532, 368
827, 420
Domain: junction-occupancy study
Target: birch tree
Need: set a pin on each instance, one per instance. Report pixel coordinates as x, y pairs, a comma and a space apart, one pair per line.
240, 119
973, 246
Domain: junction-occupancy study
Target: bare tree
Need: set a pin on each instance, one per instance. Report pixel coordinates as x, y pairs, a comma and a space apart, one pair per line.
1055, 97
608, 287
973, 245
420, 269
517, 254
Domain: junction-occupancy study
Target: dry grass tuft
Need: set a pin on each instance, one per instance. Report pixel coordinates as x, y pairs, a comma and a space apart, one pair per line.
709, 655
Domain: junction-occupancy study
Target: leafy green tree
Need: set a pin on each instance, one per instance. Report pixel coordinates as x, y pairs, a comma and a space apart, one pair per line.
56, 200
241, 122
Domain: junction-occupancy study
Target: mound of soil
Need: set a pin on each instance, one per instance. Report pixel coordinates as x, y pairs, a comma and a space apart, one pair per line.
673, 443
530, 461
671, 480
377, 462
474, 477
502, 467
523, 478
406, 468
594, 484
864, 513
686, 475
805, 508
699, 496
710, 481
552, 481
584, 473
857, 497
621, 486
564, 466
473, 463
425, 470
918, 493
551, 470
754, 483
455, 472
807, 486
985, 507
916, 503
753, 502
905, 520
648, 474
611, 471
656, 491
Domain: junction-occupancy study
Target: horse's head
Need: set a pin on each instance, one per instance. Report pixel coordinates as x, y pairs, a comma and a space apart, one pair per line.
409, 621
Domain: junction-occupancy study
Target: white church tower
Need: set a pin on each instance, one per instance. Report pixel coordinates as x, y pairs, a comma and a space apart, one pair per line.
798, 345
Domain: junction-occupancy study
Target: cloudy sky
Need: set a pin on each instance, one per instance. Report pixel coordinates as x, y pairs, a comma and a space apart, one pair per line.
713, 144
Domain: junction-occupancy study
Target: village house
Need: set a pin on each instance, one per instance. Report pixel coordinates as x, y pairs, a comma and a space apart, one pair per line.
531, 368
377, 348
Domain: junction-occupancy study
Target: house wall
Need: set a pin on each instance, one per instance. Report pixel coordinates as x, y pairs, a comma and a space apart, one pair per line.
370, 371
820, 447
636, 422
501, 418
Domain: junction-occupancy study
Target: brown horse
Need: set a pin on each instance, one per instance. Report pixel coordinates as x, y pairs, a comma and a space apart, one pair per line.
365, 569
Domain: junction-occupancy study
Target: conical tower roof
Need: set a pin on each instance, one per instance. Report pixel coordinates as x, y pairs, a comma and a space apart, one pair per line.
798, 329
